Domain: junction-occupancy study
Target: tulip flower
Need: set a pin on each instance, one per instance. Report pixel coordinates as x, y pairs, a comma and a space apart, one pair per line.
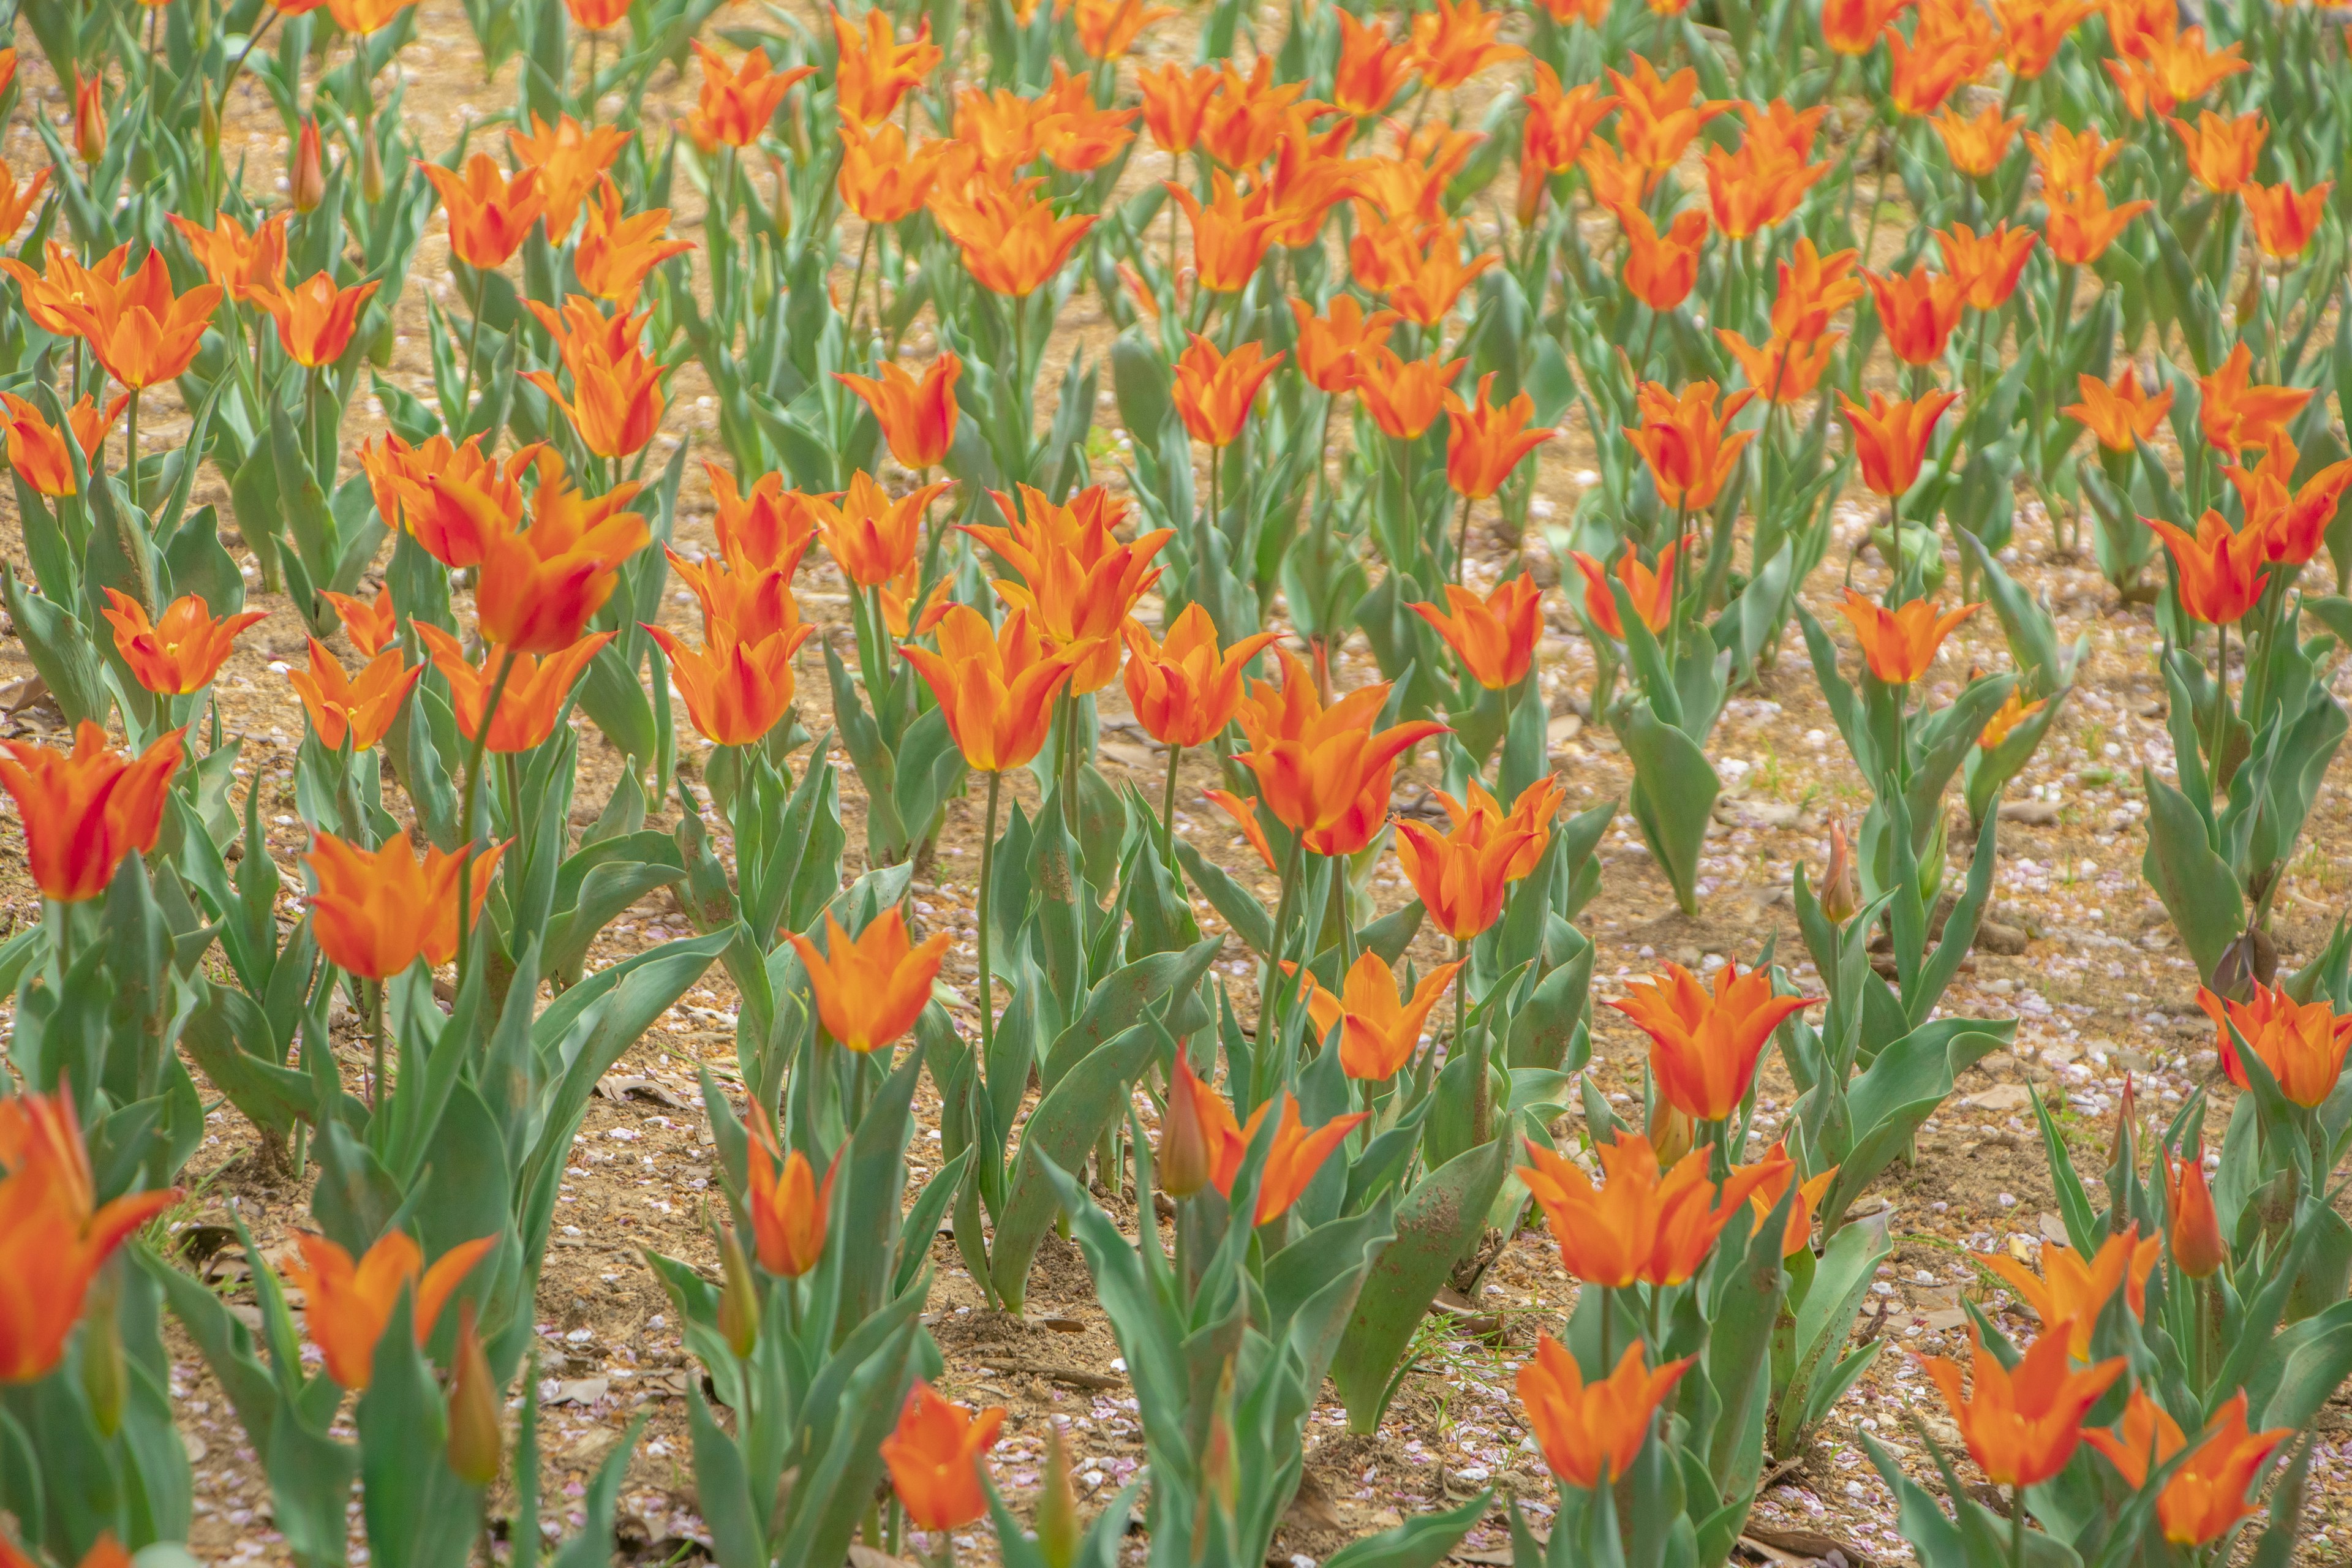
1660, 270
596, 15
2173, 68
1926, 68
1560, 121
1851, 27
1891, 438
881, 179
452, 499
1917, 312
2284, 218
1175, 101
1229, 237
1214, 390
2193, 1227
617, 389
365, 17
1782, 371
1900, 644
1012, 242
1183, 691
56, 1237
1976, 144
1641, 1224
1651, 591
244, 265
1433, 276
306, 176
350, 1304
315, 318
2118, 413
1244, 815
377, 912
763, 528
2070, 1293
1327, 347
1656, 117
1454, 42
934, 1459
569, 160
2303, 1043
1780, 1174
1460, 876
1185, 1159
2013, 711
476, 1447
36, 449
1404, 398
2221, 152
84, 810
997, 687
1592, 1433
1379, 1031
2236, 413
181, 651
1704, 1046
89, 118
489, 214
2021, 1425
1686, 441
1985, 267
2292, 520
539, 586
1614, 182
869, 990
871, 536
616, 251
737, 689
1495, 637
874, 72
1810, 287
342, 709
2207, 1494
538, 691
918, 417
1754, 188
1291, 1160
139, 329
1487, 443
1243, 118
736, 102
790, 1207
2081, 225
2220, 571
1373, 70
2031, 30
1077, 598
749, 606
1313, 763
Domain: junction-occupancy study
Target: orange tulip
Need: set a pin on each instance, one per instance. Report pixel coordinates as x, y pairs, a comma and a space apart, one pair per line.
996, 685
2069, 1293
1075, 135
1782, 371
2176, 69
2022, 1423
1891, 438
749, 606
84, 810
736, 102
452, 499
1757, 186
1184, 1159
2207, 1494
1310, 177
539, 586
790, 1207
871, 536
142, 331
181, 651
1175, 101
2069, 161
2013, 711
2302, 1044
306, 176
1926, 68
1291, 1163
615, 251
918, 417
1379, 1032
1244, 815
1852, 27
1214, 391
360, 711
1495, 637
1641, 1224
36, 449
1917, 312
2031, 30
315, 318
934, 1457
882, 181
1461, 877
350, 1304
1660, 270
1976, 144
538, 691
1685, 440
244, 265
737, 689
1781, 1171
1704, 1046
365, 17
59, 299
2082, 225
1106, 29
570, 160
1244, 117
1079, 598
1433, 276
2220, 571
1652, 592
1614, 181
1313, 763
2118, 413
1230, 237
2291, 519
1183, 690
1810, 289
2237, 413
1560, 121
89, 118
1985, 267
1012, 241
2192, 1226
489, 213
54, 1236
1592, 1433
617, 391
1899, 644
869, 990
596, 15
1327, 347
764, 529
1404, 398
1454, 42
874, 70
2221, 152
1486, 442
378, 911
1372, 71
1656, 118
2284, 218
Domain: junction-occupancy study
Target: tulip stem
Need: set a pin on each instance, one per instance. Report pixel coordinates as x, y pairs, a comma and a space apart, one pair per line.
1281, 929
1167, 808
228, 81
131, 450
465, 819
1608, 1322
987, 865
1481, 1111
374, 989
2017, 1527
2220, 713
1461, 543
473, 337
857, 280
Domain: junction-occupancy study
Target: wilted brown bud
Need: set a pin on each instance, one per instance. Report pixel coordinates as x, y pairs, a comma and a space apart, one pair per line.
739, 1298
476, 1445
1841, 886
1184, 1159
306, 181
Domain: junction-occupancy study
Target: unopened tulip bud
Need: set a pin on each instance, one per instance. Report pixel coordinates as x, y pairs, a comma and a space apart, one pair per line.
1671, 1131
371, 171
103, 1378
476, 1444
1840, 888
1183, 1155
2123, 1156
90, 121
1058, 1507
739, 1298
307, 180
2196, 1228
208, 122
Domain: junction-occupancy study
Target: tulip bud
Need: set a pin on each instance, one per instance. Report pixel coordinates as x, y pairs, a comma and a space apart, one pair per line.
2123, 1156
1058, 1507
1671, 1131
1840, 888
1183, 1152
739, 1298
371, 171
89, 120
2196, 1229
2251, 961
476, 1444
103, 1378
208, 122
307, 180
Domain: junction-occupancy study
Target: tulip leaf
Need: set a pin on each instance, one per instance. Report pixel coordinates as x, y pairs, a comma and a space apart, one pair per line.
419, 1513
61, 650
1673, 795
2199, 889
1825, 1320
228, 1037
1233, 903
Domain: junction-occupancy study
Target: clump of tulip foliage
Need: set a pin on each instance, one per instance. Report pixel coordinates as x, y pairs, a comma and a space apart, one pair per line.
1339, 370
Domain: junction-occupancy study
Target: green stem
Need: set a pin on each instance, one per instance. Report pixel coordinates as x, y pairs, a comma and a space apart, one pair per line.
987, 866
1462, 541
2017, 1527
1482, 1108
465, 817
473, 337
374, 989
857, 279
2221, 714
1272, 987
131, 451
1167, 808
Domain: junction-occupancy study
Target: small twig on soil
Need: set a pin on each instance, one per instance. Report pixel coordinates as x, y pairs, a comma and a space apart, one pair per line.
1063, 1374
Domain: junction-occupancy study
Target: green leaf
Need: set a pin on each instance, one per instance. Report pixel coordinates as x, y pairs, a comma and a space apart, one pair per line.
1423, 1541
1673, 794
2198, 887
1091, 1096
